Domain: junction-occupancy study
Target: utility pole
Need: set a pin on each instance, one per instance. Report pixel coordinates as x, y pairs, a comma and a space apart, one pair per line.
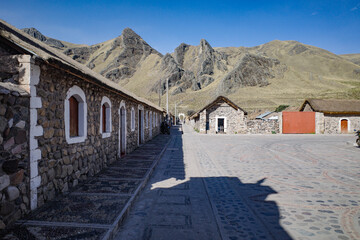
167, 98
160, 93
175, 113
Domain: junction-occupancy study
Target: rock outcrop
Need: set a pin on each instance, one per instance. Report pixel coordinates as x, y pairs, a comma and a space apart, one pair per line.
38, 35
251, 70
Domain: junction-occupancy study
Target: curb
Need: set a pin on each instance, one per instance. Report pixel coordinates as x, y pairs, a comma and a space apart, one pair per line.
126, 210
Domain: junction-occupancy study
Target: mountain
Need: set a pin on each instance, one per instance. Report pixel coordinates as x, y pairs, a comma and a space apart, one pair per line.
355, 58
261, 77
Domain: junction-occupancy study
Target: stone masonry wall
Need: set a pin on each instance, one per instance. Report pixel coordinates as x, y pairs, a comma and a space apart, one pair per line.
262, 127
62, 165
14, 155
235, 120
332, 123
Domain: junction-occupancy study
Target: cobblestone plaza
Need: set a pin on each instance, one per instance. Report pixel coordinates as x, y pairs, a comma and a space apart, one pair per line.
251, 187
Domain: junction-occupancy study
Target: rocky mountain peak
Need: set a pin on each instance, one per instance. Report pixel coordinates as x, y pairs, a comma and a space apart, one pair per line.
179, 53
205, 47
35, 33
38, 35
129, 33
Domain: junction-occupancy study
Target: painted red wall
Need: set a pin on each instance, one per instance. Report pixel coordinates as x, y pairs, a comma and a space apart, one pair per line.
298, 122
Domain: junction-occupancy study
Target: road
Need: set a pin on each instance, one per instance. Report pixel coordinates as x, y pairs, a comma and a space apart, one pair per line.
250, 187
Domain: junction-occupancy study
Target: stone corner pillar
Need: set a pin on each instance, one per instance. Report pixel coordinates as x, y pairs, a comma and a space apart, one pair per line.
202, 122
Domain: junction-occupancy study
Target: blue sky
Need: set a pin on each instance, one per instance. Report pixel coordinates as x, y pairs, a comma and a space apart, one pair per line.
333, 24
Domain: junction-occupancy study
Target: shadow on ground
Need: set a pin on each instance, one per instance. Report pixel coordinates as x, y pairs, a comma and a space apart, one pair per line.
240, 210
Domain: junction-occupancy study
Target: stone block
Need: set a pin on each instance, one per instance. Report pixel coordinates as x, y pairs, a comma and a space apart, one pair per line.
21, 124
4, 182
11, 122
20, 137
51, 174
49, 133
9, 143
17, 149
9, 113
6, 208
10, 166
65, 188
70, 169
35, 102
63, 171
12, 193
52, 163
2, 225
17, 178
2, 110
66, 160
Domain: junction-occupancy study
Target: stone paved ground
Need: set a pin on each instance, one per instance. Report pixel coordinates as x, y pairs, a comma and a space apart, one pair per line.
96, 207
251, 187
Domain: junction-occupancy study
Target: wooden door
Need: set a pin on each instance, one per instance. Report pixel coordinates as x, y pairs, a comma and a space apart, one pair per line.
344, 126
122, 131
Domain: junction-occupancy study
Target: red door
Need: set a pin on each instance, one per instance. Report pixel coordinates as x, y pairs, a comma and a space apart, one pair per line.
298, 122
344, 126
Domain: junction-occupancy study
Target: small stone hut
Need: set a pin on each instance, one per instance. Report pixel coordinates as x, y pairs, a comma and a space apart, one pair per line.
220, 116
60, 123
334, 116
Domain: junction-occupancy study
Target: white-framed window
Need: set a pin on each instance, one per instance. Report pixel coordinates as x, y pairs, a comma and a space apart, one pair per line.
105, 117
132, 119
146, 119
75, 115
154, 120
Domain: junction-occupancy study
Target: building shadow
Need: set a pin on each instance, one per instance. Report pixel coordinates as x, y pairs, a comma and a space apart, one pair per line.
232, 209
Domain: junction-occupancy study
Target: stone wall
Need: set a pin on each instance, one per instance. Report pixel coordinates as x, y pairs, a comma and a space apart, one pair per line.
14, 153
235, 120
262, 126
62, 165
332, 123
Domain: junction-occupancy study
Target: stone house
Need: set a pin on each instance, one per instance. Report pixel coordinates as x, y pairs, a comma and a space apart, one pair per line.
60, 122
334, 116
220, 116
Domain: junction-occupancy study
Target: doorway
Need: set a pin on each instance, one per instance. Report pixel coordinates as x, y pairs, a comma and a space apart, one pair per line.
141, 126
221, 125
344, 125
122, 134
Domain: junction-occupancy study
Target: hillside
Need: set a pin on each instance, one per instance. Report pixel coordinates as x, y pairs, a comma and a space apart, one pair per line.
261, 77
355, 58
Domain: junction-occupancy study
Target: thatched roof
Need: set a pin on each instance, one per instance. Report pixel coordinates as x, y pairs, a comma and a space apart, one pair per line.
40, 51
217, 100
333, 106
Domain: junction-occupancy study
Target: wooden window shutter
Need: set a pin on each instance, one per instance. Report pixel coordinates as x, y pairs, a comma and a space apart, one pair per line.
74, 117
103, 109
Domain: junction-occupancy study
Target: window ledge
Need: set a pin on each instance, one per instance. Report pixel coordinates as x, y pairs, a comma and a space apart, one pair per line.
106, 134
71, 140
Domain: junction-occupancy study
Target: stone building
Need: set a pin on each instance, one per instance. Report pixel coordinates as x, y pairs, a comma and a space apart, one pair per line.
60, 123
334, 116
220, 116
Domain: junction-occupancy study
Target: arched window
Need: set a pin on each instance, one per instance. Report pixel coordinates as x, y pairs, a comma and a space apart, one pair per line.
146, 119
132, 119
75, 115
105, 117
154, 120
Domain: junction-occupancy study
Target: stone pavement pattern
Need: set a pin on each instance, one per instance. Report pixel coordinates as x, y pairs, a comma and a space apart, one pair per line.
96, 207
251, 187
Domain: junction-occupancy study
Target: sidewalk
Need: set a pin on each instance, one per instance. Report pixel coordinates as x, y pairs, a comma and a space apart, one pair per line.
95, 208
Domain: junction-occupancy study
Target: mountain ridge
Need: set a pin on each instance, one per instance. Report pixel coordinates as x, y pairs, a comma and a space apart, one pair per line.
260, 77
